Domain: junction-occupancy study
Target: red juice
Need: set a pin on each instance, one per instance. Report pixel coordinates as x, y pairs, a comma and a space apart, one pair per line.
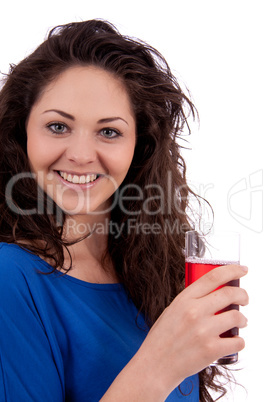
195, 268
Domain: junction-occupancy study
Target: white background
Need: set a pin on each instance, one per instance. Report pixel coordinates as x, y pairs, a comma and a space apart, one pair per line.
218, 49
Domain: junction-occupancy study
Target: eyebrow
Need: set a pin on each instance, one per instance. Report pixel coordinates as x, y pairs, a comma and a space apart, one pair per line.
69, 116
63, 114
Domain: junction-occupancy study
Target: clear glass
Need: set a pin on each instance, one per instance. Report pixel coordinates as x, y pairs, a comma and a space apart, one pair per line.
204, 253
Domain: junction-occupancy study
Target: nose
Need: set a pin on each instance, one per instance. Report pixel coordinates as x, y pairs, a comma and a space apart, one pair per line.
82, 150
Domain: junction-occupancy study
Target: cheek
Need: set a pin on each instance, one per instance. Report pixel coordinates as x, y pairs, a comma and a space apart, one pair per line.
41, 154
37, 156
122, 158
33, 152
120, 164
129, 156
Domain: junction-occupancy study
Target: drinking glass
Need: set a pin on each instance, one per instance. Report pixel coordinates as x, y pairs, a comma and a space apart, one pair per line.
204, 253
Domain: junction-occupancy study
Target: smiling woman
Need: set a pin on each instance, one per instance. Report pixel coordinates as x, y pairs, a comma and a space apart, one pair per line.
92, 185
80, 161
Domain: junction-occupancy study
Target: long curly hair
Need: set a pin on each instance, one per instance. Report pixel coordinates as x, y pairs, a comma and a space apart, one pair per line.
149, 253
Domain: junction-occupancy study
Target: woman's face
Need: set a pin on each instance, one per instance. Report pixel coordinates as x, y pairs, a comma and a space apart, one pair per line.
81, 139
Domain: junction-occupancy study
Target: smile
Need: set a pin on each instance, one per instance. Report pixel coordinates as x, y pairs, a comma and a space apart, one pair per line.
81, 179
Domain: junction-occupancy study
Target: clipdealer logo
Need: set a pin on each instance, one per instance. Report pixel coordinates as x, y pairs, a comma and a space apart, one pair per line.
245, 201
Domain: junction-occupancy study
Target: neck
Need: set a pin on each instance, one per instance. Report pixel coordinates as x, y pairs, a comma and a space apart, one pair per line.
87, 254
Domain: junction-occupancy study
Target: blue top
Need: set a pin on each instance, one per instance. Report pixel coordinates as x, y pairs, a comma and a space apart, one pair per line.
63, 339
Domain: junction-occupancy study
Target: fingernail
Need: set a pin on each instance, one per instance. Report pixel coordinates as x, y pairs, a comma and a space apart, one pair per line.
244, 268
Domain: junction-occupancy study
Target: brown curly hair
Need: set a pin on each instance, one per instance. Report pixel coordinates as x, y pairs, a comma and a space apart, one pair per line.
151, 266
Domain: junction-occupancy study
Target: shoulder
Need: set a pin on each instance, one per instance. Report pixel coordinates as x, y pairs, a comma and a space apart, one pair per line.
10, 249
20, 281
29, 358
17, 263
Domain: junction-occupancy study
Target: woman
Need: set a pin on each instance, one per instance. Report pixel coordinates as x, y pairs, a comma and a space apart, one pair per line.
92, 223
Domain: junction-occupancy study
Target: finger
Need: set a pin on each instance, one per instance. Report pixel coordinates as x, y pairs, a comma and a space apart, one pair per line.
229, 346
216, 277
223, 297
225, 321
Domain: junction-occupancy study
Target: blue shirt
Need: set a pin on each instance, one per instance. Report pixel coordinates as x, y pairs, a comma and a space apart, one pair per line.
63, 339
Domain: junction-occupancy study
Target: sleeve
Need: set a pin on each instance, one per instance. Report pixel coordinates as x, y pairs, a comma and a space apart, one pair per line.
28, 372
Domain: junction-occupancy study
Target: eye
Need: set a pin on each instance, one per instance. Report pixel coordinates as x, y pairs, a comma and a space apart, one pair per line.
57, 128
110, 133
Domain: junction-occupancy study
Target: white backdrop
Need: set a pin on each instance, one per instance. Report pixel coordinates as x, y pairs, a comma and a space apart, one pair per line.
218, 49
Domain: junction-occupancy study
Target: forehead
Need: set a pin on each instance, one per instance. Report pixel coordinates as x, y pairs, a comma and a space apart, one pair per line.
86, 85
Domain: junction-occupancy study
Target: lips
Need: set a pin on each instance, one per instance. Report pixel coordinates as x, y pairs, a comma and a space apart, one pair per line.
78, 179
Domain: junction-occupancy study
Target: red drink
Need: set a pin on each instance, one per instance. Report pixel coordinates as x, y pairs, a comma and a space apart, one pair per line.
195, 268
206, 252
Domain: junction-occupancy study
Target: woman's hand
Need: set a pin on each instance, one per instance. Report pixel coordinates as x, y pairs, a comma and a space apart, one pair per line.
185, 339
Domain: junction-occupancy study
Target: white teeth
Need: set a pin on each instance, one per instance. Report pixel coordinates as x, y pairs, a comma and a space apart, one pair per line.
75, 179
78, 179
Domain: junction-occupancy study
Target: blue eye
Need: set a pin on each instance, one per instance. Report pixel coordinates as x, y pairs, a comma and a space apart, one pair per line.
57, 128
110, 133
